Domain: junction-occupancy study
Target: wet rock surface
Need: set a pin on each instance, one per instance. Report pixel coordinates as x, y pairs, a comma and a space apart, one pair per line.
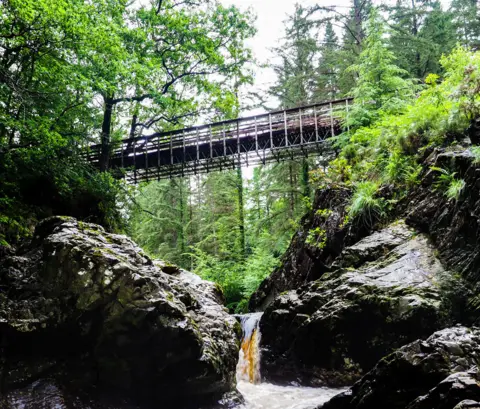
452, 225
85, 314
437, 373
384, 293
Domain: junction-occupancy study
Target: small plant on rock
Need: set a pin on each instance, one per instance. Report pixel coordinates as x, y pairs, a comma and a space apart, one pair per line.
317, 237
476, 154
366, 206
448, 183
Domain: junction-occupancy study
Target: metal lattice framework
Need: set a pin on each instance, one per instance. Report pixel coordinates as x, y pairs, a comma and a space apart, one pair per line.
277, 136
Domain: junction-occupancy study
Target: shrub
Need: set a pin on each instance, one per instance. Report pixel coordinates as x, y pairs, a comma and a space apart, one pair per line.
365, 206
317, 237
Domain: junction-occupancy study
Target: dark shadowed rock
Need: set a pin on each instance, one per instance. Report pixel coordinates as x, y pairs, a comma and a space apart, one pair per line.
302, 262
334, 329
452, 225
437, 373
87, 313
458, 387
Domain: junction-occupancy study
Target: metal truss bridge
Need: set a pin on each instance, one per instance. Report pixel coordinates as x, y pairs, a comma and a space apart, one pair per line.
274, 136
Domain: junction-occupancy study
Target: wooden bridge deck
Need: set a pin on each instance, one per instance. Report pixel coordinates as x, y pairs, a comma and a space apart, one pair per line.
257, 139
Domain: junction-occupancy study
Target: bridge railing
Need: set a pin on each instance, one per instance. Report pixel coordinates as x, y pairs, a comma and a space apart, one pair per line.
215, 145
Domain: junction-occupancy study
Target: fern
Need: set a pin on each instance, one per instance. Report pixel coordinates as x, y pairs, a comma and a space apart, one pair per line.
448, 183
365, 206
455, 188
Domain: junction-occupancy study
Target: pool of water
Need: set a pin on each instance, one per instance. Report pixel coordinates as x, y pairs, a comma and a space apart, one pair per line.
268, 396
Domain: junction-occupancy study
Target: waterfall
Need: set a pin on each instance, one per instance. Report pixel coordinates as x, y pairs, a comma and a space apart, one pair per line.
248, 367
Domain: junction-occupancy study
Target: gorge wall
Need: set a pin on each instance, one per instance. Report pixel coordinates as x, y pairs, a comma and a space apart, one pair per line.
332, 311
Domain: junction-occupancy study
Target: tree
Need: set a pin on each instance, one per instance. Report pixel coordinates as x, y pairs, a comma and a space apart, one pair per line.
422, 32
381, 86
352, 24
298, 53
466, 20
328, 87
72, 73
180, 57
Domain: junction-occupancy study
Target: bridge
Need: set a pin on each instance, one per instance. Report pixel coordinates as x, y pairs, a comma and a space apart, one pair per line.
274, 136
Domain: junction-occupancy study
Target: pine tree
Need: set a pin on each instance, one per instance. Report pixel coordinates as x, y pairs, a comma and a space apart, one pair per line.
381, 86
298, 54
422, 32
327, 87
466, 20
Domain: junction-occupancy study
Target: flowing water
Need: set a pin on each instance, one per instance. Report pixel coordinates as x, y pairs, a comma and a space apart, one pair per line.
260, 395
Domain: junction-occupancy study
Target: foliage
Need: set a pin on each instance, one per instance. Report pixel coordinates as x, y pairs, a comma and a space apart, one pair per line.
448, 183
75, 73
366, 207
381, 87
197, 223
476, 154
422, 33
401, 170
317, 237
295, 83
386, 151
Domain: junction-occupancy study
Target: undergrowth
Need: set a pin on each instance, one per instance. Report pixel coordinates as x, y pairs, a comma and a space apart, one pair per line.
388, 151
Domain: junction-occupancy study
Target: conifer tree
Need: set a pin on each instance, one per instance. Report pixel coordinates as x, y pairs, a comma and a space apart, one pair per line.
422, 32
466, 20
381, 85
327, 87
298, 54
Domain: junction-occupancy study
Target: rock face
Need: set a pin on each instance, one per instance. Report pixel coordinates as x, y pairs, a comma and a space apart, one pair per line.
384, 293
303, 263
438, 373
87, 314
452, 225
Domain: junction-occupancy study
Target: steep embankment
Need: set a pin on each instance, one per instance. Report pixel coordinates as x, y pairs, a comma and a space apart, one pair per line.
88, 320
333, 310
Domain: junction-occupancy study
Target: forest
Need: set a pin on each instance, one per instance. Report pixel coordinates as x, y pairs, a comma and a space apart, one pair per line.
74, 73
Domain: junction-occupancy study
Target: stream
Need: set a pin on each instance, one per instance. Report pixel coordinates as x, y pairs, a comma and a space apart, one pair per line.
260, 395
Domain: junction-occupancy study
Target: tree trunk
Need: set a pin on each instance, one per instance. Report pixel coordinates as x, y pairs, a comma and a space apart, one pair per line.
241, 214
305, 179
106, 130
292, 188
181, 230
415, 34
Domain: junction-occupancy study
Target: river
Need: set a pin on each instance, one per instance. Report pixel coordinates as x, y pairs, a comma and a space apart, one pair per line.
261, 395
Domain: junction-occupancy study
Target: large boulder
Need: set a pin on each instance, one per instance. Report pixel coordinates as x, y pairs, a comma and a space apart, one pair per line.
86, 315
437, 373
386, 291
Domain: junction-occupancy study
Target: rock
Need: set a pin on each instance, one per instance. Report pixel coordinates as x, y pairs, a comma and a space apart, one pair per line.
374, 246
453, 390
336, 328
302, 262
452, 225
87, 313
420, 375
468, 404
